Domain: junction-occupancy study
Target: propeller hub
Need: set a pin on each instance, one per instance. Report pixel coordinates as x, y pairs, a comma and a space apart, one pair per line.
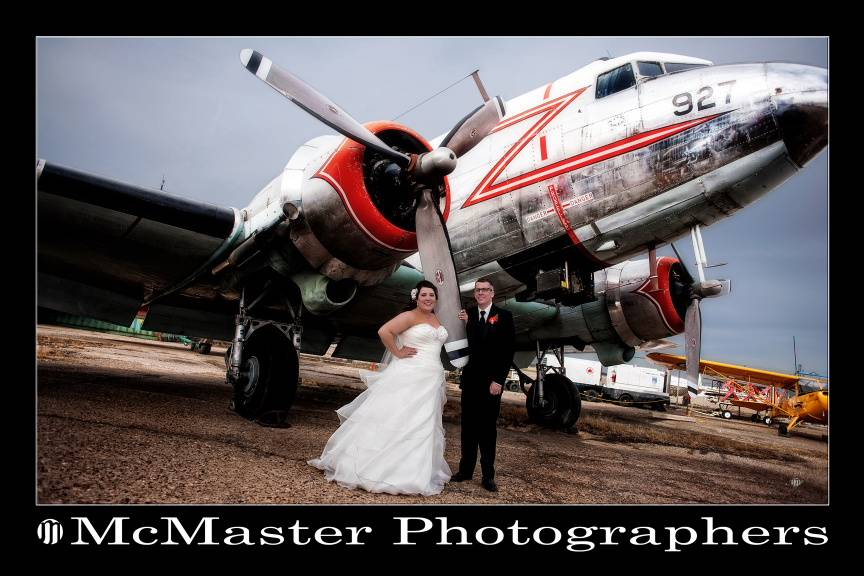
434, 164
707, 289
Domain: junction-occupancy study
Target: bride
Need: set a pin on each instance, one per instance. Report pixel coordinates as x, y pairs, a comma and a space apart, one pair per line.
390, 437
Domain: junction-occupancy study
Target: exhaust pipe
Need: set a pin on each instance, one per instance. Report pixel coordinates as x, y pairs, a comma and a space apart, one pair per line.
322, 295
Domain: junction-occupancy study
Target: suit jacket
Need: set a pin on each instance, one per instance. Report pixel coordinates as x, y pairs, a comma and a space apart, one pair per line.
490, 345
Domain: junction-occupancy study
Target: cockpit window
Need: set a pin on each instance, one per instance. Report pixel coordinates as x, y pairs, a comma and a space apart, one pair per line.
679, 66
615, 80
649, 69
807, 386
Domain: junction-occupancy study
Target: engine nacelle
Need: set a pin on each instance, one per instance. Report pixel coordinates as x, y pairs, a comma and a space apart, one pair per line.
353, 209
631, 310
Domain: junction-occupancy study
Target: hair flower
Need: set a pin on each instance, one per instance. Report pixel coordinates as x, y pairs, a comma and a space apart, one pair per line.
414, 294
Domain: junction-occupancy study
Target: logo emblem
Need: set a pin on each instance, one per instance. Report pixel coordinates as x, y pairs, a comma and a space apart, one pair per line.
439, 276
50, 531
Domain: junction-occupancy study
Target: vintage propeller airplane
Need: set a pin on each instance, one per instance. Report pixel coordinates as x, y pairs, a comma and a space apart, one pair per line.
770, 395
550, 194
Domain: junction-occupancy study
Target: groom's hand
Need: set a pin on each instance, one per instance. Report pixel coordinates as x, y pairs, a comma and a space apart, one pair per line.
463, 315
495, 389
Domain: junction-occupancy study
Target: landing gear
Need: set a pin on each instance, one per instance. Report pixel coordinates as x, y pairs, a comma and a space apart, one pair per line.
727, 415
263, 368
561, 403
783, 430
552, 400
267, 383
767, 420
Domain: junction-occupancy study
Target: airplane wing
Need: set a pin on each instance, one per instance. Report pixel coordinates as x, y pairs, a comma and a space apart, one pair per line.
742, 373
105, 248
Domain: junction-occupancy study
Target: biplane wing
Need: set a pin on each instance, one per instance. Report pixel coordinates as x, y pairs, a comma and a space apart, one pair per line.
720, 369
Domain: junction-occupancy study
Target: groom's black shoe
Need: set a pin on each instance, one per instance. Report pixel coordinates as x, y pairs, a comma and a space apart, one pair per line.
489, 485
459, 477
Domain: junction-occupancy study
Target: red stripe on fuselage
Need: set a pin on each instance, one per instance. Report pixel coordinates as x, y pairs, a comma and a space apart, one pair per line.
565, 222
540, 108
486, 190
562, 216
552, 109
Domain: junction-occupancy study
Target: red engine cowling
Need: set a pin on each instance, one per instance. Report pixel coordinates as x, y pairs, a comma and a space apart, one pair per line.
631, 310
356, 208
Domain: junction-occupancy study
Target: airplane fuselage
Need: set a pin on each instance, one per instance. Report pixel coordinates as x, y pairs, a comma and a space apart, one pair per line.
575, 174
605, 179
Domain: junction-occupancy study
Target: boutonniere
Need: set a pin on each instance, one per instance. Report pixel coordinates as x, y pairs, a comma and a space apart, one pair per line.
493, 319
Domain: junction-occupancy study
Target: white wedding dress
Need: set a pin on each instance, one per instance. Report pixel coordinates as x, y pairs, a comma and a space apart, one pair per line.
391, 438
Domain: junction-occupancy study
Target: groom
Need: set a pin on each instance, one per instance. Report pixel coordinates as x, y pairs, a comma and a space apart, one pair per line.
491, 338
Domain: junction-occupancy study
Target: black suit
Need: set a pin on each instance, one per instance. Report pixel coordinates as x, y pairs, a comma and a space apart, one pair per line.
490, 346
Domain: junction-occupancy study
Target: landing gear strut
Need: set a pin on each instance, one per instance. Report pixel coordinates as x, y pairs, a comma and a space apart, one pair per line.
552, 400
263, 368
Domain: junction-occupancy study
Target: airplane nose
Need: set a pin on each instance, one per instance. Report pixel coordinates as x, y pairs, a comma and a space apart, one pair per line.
800, 97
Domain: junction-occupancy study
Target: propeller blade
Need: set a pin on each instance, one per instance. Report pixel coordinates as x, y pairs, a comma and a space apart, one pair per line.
474, 127
316, 104
693, 345
689, 277
437, 261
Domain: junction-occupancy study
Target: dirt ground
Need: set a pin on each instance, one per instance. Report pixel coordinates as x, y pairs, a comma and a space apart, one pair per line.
125, 420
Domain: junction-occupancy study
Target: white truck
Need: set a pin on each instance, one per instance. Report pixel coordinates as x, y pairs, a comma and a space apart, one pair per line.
637, 385
587, 374
624, 383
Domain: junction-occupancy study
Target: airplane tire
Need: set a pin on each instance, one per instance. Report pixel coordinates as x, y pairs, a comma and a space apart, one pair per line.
768, 420
625, 399
783, 430
727, 415
563, 403
270, 372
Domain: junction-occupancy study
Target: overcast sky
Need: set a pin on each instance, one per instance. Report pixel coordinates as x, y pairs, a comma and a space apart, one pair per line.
135, 109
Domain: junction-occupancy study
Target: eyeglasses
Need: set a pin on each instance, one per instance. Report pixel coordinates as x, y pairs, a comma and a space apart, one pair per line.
483, 290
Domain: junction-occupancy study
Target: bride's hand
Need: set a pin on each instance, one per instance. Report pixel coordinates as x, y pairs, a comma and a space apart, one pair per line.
406, 352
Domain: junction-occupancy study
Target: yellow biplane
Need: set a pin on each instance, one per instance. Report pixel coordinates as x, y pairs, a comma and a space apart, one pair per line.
770, 394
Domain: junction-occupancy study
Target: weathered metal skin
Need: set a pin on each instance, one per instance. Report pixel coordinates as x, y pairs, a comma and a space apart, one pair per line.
655, 193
